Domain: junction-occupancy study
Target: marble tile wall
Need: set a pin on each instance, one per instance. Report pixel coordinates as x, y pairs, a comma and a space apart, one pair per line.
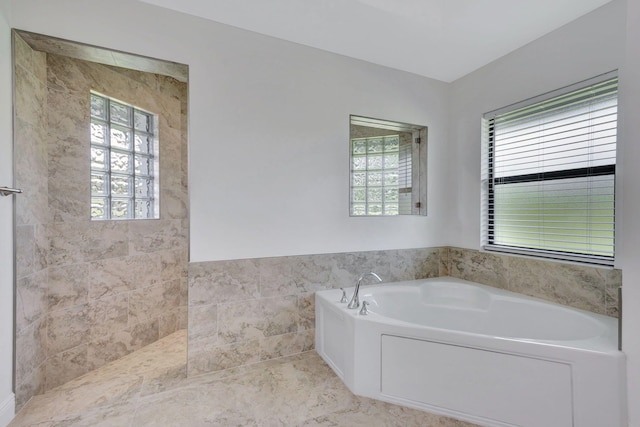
32, 217
98, 290
245, 311
588, 288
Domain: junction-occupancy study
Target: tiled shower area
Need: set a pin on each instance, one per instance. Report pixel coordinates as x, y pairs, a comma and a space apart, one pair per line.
89, 292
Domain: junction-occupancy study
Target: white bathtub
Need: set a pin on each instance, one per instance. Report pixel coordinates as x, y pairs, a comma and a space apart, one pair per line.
476, 353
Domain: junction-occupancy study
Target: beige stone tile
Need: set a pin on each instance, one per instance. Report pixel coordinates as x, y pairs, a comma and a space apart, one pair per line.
25, 250
173, 264
576, 286
70, 403
31, 299
203, 323
481, 267
68, 155
31, 171
65, 366
170, 322
120, 343
284, 276
157, 235
223, 281
29, 386
31, 348
116, 275
444, 262
110, 416
281, 345
68, 286
306, 311
75, 242
153, 302
30, 95
241, 321
613, 280
148, 388
206, 357
411, 264
68, 328
107, 315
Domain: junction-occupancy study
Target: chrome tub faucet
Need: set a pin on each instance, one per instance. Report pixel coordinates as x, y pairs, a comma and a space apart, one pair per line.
355, 301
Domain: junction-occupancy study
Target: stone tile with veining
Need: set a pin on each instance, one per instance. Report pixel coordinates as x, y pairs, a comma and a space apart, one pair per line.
121, 343
68, 286
240, 321
576, 286
25, 250
149, 388
152, 302
481, 267
613, 280
65, 366
68, 328
203, 323
31, 346
31, 298
223, 281
295, 274
153, 236
74, 242
115, 275
411, 264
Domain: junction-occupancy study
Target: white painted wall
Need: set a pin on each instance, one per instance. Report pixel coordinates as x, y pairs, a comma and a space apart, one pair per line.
7, 401
269, 123
629, 207
584, 48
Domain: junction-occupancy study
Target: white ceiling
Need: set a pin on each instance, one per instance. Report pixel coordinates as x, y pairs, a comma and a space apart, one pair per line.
441, 39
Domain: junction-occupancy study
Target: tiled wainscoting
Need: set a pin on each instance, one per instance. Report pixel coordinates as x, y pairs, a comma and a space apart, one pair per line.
245, 311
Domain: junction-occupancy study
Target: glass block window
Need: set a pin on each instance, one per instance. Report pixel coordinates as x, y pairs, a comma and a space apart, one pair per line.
375, 174
124, 161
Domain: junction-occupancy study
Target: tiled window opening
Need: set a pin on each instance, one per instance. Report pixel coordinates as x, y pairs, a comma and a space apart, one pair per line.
124, 161
375, 177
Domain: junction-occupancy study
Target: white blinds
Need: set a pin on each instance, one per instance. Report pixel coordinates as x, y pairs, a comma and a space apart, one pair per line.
551, 174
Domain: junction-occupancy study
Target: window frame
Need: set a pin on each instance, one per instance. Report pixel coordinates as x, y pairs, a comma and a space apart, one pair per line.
413, 173
489, 181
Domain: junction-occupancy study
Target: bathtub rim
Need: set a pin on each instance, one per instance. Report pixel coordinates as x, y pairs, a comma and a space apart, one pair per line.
605, 343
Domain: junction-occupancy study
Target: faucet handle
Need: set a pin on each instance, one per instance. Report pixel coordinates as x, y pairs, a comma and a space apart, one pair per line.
363, 310
344, 296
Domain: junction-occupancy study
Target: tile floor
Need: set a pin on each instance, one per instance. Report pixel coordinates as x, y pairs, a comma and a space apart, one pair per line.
149, 388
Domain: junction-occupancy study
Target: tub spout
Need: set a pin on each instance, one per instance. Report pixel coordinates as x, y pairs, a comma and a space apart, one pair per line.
355, 301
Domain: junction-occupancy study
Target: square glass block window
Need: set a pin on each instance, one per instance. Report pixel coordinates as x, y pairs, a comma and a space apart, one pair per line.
388, 161
124, 161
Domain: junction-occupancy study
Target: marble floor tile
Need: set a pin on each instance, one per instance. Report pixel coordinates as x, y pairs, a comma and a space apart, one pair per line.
149, 387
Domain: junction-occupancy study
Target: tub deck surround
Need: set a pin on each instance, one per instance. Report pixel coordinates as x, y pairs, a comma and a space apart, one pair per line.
477, 353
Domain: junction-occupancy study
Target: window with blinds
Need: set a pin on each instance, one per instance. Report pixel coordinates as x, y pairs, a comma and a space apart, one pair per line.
549, 177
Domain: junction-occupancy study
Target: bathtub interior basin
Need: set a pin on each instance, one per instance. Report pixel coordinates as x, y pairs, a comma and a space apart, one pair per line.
464, 307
